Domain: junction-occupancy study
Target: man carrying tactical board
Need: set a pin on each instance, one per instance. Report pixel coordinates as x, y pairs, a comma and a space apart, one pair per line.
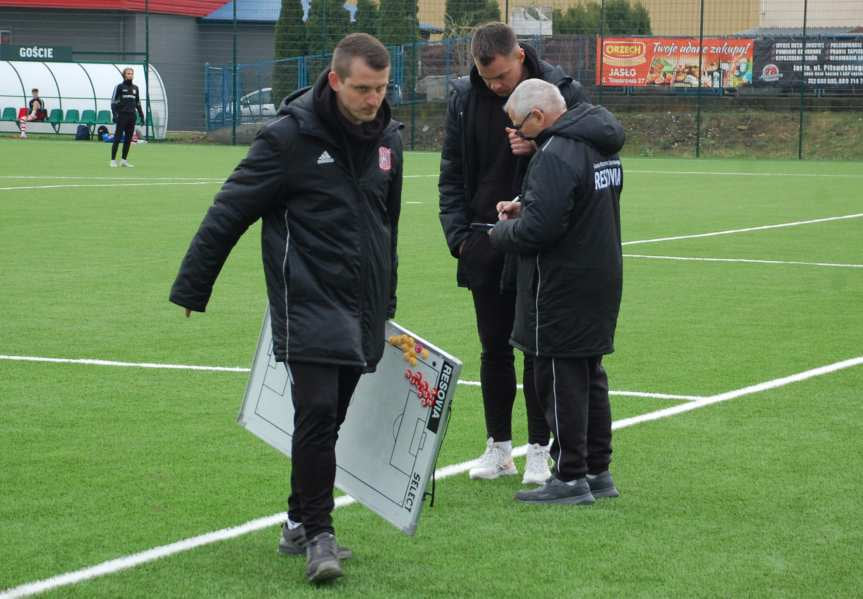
325, 177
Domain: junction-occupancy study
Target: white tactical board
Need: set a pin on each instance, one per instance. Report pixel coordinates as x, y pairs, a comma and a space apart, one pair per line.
388, 443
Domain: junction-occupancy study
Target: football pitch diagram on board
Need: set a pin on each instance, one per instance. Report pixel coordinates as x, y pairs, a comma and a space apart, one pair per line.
395, 424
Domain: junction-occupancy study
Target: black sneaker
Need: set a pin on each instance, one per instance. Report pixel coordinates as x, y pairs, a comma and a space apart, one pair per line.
322, 563
557, 491
602, 485
293, 542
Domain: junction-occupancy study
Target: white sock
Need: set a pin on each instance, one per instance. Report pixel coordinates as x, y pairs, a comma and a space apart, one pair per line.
292, 525
505, 445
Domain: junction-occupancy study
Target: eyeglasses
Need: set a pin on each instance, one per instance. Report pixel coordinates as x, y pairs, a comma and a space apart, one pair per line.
517, 128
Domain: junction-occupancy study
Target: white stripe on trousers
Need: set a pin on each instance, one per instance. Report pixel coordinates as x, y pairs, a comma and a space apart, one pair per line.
556, 422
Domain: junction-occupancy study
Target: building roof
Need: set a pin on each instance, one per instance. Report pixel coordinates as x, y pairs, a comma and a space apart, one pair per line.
193, 8
267, 11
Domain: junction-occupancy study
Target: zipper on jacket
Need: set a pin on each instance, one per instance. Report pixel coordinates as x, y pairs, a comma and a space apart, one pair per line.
538, 285
363, 254
464, 154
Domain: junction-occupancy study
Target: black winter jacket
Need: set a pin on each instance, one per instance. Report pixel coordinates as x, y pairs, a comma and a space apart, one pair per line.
328, 238
126, 100
457, 183
570, 269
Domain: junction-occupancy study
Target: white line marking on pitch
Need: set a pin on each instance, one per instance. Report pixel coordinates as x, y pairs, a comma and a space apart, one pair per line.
112, 185
742, 260
639, 171
80, 178
747, 229
136, 559
92, 362
612, 392
163, 366
766, 386
743, 174
413, 202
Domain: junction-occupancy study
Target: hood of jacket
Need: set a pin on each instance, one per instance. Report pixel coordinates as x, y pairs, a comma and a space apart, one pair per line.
591, 124
301, 105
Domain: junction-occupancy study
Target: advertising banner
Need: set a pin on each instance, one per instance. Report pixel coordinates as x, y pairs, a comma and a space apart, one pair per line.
673, 62
830, 62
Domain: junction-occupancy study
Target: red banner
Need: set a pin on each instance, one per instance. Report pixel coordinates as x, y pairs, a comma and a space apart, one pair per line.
673, 62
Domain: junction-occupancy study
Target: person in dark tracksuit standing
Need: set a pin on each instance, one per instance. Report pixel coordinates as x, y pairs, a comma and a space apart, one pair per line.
325, 177
566, 230
125, 105
482, 163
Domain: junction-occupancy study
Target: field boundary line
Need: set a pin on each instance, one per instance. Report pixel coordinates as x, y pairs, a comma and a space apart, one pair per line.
742, 260
746, 230
80, 178
639, 171
742, 392
163, 366
111, 185
741, 173
96, 362
136, 559
644, 394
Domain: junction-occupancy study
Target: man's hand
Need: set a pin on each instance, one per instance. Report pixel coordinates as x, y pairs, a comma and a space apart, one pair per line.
188, 313
518, 145
508, 210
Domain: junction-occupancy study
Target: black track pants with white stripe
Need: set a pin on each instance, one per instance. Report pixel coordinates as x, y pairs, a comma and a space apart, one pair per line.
574, 396
321, 394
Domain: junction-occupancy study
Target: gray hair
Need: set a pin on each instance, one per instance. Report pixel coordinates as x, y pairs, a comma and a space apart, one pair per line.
535, 93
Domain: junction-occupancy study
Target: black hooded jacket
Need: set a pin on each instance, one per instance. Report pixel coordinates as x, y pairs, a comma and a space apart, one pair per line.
570, 269
457, 184
126, 100
328, 239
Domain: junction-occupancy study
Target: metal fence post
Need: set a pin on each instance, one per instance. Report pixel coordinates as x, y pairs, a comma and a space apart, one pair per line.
147, 113
601, 48
235, 102
802, 83
698, 92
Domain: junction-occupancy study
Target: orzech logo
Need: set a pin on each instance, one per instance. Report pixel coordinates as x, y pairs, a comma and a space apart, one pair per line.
770, 73
443, 383
385, 159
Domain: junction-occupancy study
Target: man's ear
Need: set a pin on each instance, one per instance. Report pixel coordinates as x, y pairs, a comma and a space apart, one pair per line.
334, 81
520, 54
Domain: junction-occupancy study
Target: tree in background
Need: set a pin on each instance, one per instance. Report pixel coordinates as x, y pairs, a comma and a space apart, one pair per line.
621, 18
366, 18
290, 40
462, 16
328, 22
398, 23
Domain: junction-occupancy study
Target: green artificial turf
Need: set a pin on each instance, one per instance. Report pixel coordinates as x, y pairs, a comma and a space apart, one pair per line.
757, 496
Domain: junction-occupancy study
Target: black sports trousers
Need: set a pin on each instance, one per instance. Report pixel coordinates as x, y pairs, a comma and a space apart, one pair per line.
495, 312
321, 394
125, 125
574, 394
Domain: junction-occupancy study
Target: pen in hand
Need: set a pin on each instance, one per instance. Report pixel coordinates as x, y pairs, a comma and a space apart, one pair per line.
515, 200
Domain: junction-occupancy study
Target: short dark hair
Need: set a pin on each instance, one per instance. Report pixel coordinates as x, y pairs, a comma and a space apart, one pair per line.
359, 45
34, 91
492, 40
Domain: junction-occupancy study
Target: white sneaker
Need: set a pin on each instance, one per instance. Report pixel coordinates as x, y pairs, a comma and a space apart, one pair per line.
496, 461
125, 163
536, 470
113, 164
23, 135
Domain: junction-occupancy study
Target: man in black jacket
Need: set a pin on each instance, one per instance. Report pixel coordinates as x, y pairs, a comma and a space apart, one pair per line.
482, 163
125, 104
570, 278
325, 177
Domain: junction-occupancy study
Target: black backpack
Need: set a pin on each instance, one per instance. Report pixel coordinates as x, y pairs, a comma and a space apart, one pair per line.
83, 132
